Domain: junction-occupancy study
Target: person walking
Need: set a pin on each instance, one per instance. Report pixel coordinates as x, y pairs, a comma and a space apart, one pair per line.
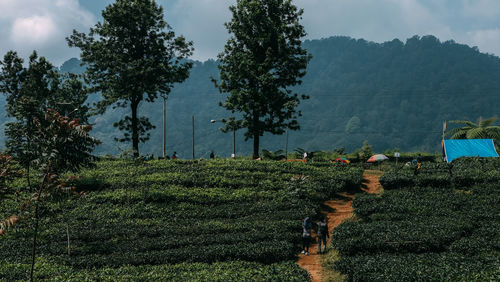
322, 235
306, 235
212, 154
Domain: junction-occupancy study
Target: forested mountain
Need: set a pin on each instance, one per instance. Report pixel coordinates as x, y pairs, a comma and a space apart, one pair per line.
392, 94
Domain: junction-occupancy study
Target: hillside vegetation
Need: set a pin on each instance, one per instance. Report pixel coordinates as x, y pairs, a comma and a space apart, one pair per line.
393, 94
174, 220
441, 225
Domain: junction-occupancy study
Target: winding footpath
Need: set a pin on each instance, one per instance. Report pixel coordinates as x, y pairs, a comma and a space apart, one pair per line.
336, 211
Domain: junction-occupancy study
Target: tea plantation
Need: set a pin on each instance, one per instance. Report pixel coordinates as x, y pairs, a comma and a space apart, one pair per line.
218, 220
442, 224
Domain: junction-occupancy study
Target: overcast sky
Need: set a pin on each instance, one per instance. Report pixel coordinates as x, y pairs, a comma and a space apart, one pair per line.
42, 25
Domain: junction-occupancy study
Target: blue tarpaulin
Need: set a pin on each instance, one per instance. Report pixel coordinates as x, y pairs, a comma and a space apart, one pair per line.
456, 148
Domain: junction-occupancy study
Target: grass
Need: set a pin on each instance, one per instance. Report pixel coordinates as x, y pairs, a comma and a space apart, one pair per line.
373, 172
327, 261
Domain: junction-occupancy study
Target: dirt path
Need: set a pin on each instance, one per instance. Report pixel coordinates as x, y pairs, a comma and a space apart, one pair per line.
336, 211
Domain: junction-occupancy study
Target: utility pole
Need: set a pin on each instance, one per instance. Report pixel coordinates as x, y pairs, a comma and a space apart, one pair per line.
193, 135
164, 125
234, 142
286, 145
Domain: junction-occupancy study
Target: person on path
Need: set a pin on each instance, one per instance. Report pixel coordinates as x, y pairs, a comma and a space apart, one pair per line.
306, 235
322, 235
212, 154
174, 156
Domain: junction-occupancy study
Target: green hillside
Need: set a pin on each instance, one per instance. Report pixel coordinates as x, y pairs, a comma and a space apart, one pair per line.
240, 220
440, 225
174, 220
393, 94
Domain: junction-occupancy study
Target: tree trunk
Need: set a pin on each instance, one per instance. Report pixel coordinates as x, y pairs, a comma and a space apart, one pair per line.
135, 129
256, 135
255, 154
29, 158
67, 236
33, 251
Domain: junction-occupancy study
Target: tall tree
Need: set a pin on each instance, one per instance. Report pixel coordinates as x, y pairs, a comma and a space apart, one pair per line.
30, 92
63, 145
260, 62
482, 129
132, 56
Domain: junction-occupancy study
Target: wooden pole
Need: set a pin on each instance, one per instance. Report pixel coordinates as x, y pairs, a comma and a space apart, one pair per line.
193, 134
286, 146
164, 151
234, 143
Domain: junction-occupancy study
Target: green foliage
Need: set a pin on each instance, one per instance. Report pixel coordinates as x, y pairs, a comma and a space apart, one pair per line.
270, 155
414, 231
462, 172
8, 173
144, 218
366, 151
481, 130
31, 91
353, 125
346, 77
260, 63
63, 144
131, 57
220, 271
419, 267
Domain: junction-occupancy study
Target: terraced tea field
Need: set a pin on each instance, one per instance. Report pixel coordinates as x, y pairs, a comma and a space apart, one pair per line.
175, 220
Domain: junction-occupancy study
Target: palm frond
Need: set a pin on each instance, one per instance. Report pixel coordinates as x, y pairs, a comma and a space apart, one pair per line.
493, 132
487, 122
456, 131
466, 122
461, 134
300, 151
476, 133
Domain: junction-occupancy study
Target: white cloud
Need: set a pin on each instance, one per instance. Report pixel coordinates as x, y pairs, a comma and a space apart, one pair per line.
42, 25
376, 20
487, 40
483, 9
26, 25
33, 30
201, 21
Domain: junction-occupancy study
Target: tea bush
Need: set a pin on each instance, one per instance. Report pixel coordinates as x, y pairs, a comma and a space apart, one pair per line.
150, 219
435, 226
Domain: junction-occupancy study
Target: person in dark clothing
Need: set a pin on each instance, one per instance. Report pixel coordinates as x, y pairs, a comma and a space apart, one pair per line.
322, 235
212, 155
306, 235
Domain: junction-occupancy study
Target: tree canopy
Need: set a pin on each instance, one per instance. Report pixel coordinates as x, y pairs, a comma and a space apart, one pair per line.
260, 63
132, 56
483, 129
401, 91
30, 92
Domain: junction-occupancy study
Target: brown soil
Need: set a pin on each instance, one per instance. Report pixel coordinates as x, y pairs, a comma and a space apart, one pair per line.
371, 185
336, 211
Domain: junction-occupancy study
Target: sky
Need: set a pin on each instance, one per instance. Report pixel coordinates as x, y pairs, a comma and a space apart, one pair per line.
43, 25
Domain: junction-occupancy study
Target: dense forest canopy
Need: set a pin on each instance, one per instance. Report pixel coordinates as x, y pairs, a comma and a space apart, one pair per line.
393, 94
